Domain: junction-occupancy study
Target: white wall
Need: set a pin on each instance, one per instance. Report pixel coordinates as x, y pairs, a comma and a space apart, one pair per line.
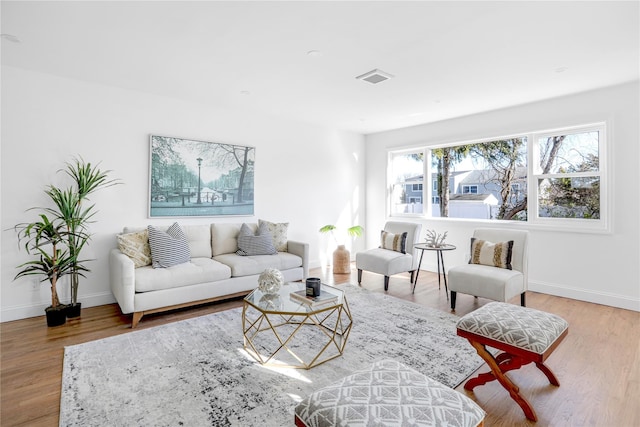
305, 175
600, 268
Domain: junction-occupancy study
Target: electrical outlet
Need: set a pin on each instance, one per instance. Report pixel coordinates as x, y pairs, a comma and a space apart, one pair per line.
35, 285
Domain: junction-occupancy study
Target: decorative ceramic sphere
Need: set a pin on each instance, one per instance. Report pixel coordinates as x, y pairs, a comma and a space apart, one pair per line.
270, 281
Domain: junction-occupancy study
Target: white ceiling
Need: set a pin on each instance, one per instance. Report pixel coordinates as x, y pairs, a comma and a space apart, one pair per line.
449, 58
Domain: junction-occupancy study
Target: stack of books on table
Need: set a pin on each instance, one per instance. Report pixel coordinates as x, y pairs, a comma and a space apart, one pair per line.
322, 299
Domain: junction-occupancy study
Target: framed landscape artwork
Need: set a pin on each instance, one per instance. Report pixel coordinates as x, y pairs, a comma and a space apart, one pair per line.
198, 178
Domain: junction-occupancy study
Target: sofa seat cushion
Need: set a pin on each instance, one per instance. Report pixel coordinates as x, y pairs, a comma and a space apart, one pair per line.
198, 270
256, 264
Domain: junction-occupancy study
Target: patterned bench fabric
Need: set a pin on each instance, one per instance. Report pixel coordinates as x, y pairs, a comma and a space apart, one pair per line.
521, 327
388, 394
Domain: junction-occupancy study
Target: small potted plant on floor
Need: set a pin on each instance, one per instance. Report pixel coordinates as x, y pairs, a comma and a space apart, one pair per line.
341, 256
45, 239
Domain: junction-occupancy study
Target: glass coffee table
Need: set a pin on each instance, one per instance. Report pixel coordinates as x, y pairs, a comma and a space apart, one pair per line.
281, 331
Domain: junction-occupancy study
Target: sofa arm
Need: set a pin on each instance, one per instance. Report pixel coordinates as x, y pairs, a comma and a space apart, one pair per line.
302, 250
122, 280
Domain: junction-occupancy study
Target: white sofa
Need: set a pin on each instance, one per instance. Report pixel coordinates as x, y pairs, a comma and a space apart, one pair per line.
214, 272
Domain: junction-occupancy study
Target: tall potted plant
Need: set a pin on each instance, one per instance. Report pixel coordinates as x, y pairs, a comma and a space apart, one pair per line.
46, 239
71, 208
341, 256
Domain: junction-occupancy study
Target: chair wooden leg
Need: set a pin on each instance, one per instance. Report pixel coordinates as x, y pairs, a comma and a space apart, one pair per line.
453, 300
413, 273
522, 299
359, 275
386, 283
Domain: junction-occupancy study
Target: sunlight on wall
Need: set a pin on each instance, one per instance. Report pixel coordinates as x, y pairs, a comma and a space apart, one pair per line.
349, 216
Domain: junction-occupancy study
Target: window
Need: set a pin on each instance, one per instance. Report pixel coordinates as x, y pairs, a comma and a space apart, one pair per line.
567, 174
406, 174
550, 177
477, 174
469, 189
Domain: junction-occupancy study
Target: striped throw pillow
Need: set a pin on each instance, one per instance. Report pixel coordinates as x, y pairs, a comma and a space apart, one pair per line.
260, 243
394, 242
168, 248
493, 254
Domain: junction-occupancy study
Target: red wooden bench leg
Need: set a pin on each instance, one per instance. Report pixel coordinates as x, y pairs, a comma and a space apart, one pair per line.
545, 369
498, 373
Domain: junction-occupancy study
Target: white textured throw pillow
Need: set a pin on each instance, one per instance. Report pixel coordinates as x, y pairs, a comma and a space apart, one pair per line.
279, 233
260, 243
136, 247
168, 248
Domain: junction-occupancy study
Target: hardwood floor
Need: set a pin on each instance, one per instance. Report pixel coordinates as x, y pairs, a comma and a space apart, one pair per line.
598, 364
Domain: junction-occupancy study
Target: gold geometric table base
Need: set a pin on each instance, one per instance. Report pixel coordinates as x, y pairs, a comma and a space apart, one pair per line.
299, 340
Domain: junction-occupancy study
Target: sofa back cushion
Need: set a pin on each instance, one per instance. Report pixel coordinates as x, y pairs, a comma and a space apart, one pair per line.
199, 237
224, 237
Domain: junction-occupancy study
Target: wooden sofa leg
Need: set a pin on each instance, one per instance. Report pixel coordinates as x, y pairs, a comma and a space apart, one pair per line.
453, 300
136, 318
522, 299
359, 275
413, 272
386, 283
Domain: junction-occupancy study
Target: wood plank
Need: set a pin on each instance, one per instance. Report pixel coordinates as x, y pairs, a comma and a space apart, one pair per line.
597, 364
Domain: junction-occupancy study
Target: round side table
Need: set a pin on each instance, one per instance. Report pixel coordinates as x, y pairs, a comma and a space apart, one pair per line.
439, 250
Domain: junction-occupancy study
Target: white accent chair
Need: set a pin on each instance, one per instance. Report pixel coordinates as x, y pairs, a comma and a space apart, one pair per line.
498, 284
388, 262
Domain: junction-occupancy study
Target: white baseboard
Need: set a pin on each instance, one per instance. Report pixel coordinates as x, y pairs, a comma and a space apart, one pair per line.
596, 297
24, 311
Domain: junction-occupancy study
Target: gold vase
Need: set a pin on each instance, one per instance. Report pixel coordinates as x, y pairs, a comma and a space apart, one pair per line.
341, 260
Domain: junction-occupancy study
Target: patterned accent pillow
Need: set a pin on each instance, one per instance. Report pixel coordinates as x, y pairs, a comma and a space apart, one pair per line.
394, 242
260, 243
279, 233
493, 254
168, 248
136, 247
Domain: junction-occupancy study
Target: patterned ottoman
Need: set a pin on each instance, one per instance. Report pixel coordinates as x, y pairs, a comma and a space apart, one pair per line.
523, 334
387, 394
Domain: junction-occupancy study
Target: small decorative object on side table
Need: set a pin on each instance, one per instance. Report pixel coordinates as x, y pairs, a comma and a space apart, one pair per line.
434, 239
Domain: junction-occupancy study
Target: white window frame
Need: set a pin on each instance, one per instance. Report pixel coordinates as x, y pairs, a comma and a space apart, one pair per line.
426, 193
601, 225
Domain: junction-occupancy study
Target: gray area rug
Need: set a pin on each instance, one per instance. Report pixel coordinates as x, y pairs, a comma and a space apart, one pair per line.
196, 373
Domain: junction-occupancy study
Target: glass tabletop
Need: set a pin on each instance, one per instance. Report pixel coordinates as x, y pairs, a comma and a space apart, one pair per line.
424, 246
282, 302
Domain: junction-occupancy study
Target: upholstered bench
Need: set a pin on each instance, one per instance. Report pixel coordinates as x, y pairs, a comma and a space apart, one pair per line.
525, 335
387, 394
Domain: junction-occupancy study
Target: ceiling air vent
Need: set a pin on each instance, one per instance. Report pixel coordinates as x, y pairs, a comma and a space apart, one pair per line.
375, 76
